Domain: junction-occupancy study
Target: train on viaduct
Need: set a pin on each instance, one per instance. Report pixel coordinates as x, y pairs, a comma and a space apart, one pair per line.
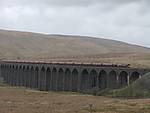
75, 77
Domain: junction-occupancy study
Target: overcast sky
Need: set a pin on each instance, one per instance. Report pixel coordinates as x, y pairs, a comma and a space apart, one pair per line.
125, 20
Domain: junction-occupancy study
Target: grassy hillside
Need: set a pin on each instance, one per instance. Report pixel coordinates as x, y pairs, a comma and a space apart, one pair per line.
34, 46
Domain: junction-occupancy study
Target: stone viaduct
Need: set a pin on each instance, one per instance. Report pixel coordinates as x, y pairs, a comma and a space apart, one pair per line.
67, 76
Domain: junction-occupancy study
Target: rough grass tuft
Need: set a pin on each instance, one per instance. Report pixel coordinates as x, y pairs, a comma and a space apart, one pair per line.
2, 83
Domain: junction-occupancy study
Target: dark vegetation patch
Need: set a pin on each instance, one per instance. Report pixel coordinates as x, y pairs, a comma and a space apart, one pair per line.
139, 89
2, 83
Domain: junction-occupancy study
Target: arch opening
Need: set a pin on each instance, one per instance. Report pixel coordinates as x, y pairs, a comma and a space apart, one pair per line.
102, 79
84, 80
42, 79
93, 79
74, 82
31, 77
67, 77
54, 79
36, 83
27, 76
11, 76
16, 75
23, 75
112, 80
48, 79
123, 79
60, 79
19, 76
134, 76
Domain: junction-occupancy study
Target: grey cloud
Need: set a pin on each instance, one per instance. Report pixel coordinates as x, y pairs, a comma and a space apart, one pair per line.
67, 2
125, 20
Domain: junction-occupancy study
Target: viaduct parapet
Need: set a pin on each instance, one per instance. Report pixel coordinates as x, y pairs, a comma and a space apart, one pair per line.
74, 77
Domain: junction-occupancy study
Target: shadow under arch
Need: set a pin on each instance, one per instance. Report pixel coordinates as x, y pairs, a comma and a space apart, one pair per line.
16, 76
102, 79
27, 74
42, 79
67, 79
123, 79
54, 79
31, 77
112, 80
60, 81
74, 80
20, 75
93, 79
134, 76
84, 80
12, 75
6, 74
36, 84
48, 79
23, 75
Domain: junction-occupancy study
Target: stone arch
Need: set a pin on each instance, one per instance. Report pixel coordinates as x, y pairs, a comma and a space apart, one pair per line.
3, 71
10, 75
48, 79
42, 79
9, 72
20, 67
31, 77
20, 75
84, 80
112, 79
123, 79
93, 79
23, 76
16, 76
67, 77
27, 74
16, 67
22, 71
134, 76
54, 79
60, 81
74, 81
6, 78
102, 79
36, 84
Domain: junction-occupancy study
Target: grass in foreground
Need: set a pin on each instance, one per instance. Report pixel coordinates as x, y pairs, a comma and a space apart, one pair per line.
20, 100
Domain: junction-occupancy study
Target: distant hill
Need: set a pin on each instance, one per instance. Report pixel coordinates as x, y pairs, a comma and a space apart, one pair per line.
26, 45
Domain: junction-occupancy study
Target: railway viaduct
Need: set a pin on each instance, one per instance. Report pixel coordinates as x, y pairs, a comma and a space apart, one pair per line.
67, 76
